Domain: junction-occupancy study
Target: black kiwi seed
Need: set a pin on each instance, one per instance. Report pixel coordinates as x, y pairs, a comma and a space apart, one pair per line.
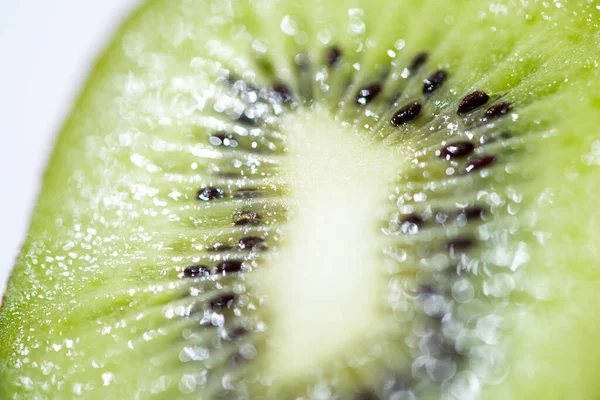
368, 93
366, 394
471, 213
222, 139
429, 289
411, 223
231, 78
236, 360
236, 333
459, 245
448, 352
242, 218
332, 57
249, 242
210, 193
472, 101
412, 219
221, 301
457, 150
496, 111
480, 162
417, 62
195, 270
218, 247
283, 92
406, 114
434, 81
229, 266
246, 120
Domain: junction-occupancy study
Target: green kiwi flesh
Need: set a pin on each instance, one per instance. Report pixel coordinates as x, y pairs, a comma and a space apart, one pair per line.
321, 199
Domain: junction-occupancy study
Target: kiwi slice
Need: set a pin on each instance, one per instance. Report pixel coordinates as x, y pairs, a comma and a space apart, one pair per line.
321, 200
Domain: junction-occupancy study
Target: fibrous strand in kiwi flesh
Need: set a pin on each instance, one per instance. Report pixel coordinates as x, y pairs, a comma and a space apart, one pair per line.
315, 200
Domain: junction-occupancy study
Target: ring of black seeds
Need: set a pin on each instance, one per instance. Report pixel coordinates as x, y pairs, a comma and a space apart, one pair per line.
410, 224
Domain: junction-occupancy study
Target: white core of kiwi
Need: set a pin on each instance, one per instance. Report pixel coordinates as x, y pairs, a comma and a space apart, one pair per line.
325, 285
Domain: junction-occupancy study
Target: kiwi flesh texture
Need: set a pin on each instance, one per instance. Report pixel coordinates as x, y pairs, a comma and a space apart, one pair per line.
312, 200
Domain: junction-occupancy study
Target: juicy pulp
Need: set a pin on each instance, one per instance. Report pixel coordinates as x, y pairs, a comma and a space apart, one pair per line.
97, 308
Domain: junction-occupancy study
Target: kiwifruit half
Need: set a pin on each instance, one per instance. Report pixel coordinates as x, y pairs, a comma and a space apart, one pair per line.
321, 200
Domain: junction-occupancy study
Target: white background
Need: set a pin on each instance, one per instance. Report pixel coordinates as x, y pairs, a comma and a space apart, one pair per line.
46, 50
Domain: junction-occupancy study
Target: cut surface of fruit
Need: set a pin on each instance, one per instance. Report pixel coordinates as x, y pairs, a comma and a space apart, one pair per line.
324, 279
321, 200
